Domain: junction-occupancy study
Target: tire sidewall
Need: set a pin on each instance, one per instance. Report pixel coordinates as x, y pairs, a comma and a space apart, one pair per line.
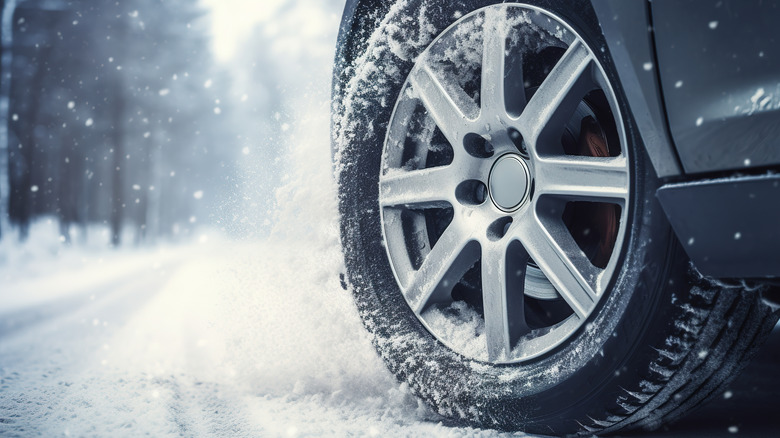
535, 395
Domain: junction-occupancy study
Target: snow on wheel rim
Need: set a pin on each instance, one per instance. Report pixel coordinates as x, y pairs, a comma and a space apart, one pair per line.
505, 281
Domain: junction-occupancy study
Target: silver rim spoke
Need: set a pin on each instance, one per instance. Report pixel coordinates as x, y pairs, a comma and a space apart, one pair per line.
442, 268
440, 104
592, 178
559, 94
493, 55
562, 261
503, 279
424, 188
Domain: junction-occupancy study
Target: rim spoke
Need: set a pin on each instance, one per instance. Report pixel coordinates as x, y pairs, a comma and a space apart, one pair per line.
426, 188
594, 178
441, 105
514, 84
503, 282
493, 58
454, 253
563, 263
559, 94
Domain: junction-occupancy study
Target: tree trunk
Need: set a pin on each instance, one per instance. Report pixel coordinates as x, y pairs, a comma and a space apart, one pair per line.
117, 162
27, 101
6, 56
154, 209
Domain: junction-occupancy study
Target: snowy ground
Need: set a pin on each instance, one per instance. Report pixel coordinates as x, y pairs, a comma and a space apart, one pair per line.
220, 338
231, 339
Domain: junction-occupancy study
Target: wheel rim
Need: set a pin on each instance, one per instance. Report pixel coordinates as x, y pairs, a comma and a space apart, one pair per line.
504, 184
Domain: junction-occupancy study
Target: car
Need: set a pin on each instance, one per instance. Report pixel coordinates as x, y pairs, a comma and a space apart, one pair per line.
558, 216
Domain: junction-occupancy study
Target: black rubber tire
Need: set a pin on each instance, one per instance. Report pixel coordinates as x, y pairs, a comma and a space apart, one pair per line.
660, 343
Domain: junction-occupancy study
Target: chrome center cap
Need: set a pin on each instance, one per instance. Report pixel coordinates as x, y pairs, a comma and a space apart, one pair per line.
509, 182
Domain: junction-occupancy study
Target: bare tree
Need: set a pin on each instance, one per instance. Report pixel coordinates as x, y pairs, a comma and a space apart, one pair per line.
123, 118
6, 57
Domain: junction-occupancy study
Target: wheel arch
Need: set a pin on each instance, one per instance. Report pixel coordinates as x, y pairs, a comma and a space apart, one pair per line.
627, 29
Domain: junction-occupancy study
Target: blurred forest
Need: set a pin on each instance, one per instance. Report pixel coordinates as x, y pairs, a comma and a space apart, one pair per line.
118, 115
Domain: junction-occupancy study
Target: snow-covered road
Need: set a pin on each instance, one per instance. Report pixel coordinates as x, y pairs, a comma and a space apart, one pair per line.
238, 339
220, 339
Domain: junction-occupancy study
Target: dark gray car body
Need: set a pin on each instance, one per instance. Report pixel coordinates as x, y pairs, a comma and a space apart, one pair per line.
702, 78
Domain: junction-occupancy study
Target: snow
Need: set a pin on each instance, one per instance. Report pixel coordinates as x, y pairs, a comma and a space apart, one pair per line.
461, 327
239, 338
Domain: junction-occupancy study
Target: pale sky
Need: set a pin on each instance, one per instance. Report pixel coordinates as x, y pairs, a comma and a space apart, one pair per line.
232, 20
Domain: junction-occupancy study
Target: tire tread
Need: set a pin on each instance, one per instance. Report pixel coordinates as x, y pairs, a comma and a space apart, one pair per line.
718, 329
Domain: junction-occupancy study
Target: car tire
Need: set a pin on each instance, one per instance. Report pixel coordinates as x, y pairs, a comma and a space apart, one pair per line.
659, 341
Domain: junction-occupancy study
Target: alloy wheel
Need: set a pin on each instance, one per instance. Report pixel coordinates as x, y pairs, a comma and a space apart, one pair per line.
505, 184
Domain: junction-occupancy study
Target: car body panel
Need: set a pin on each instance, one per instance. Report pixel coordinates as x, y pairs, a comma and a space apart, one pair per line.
631, 46
720, 73
721, 243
